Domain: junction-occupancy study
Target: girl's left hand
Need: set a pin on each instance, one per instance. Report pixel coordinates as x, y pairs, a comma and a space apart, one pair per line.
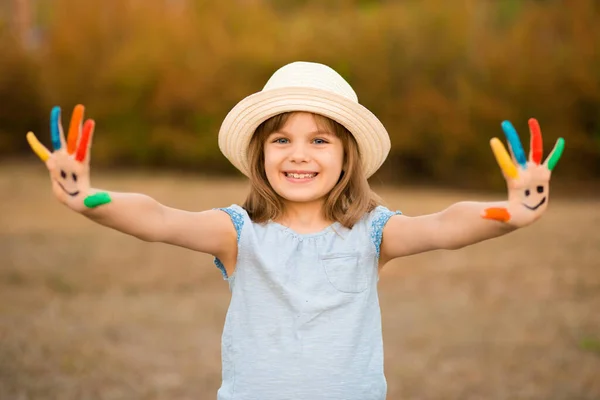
528, 180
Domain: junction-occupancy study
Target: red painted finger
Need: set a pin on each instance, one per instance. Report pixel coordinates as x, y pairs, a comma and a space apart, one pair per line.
536, 147
85, 141
497, 214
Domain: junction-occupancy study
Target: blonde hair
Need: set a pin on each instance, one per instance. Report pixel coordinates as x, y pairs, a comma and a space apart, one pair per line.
346, 203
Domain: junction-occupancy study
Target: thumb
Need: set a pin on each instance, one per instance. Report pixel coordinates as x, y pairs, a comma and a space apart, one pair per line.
496, 214
42, 152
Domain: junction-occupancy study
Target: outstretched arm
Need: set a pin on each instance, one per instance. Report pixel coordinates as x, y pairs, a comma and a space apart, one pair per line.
467, 223
131, 213
142, 216
457, 226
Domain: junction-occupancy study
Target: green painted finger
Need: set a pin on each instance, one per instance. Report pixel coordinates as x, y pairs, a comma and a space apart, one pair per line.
96, 200
556, 153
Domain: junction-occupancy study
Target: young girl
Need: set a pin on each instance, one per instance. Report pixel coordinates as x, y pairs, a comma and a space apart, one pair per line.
302, 254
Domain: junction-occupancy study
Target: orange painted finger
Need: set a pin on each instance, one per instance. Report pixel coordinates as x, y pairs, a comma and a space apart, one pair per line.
504, 160
42, 152
497, 214
86, 141
536, 147
74, 128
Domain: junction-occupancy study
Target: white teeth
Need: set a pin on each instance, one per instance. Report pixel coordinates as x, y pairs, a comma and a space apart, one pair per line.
300, 176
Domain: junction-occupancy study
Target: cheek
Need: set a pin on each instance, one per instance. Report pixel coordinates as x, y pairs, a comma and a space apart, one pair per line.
271, 165
269, 162
334, 158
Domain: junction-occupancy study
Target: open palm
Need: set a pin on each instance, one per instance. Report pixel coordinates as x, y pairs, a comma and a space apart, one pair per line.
528, 179
69, 163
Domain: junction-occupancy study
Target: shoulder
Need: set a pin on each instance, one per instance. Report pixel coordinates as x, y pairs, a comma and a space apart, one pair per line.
238, 216
380, 213
233, 209
375, 222
377, 218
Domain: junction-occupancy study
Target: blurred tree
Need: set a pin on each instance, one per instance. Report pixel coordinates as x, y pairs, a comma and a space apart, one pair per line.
19, 94
160, 76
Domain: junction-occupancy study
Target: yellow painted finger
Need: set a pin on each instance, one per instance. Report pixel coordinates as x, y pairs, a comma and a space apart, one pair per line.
503, 159
38, 148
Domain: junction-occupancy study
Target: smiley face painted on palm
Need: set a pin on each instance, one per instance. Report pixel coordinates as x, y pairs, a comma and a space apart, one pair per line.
67, 173
68, 183
530, 189
529, 195
530, 174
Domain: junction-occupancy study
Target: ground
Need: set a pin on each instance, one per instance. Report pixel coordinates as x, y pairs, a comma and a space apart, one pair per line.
89, 313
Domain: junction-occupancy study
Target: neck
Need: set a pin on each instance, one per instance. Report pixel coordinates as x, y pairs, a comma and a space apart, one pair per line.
307, 217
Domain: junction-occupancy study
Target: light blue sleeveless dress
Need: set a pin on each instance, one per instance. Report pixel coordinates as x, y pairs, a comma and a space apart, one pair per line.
304, 321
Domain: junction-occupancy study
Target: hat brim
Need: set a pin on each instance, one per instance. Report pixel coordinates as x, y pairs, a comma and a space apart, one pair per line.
241, 123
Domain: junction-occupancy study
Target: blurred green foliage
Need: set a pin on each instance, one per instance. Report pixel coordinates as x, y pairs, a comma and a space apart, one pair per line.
159, 76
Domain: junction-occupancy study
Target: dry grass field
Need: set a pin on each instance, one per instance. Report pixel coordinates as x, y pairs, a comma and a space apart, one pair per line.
89, 313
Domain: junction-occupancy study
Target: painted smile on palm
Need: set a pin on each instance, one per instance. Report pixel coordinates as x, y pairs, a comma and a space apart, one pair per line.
528, 194
66, 182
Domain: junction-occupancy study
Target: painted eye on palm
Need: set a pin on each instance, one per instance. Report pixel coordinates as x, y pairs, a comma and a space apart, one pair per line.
528, 178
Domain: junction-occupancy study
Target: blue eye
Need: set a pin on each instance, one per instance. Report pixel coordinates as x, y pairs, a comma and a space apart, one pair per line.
320, 141
280, 140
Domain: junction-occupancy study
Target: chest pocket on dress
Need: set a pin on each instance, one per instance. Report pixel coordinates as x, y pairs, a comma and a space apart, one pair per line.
345, 272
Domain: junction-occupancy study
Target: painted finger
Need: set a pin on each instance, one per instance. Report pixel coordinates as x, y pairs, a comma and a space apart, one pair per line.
83, 150
556, 153
56, 131
536, 146
503, 159
496, 214
42, 152
97, 199
74, 128
515, 144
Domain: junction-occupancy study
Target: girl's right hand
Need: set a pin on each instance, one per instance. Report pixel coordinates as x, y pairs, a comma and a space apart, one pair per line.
69, 163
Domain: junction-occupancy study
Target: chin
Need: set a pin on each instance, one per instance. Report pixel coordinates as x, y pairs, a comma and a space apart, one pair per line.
300, 193
300, 196
302, 199
289, 195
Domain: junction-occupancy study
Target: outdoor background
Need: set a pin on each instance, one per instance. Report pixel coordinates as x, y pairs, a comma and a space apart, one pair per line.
89, 313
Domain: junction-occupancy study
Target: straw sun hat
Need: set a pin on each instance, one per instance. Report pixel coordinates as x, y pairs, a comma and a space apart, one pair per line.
309, 87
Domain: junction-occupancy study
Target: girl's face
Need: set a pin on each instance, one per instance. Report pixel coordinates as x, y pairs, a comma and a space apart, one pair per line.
302, 161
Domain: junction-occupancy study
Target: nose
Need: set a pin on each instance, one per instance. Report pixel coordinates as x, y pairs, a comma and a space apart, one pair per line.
299, 153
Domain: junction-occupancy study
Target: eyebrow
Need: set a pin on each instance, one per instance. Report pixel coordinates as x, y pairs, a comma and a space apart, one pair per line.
317, 132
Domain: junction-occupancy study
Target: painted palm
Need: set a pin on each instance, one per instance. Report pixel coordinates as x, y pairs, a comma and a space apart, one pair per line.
528, 179
69, 163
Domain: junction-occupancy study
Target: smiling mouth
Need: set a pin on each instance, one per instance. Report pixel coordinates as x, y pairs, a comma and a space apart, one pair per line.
536, 206
73, 194
300, 176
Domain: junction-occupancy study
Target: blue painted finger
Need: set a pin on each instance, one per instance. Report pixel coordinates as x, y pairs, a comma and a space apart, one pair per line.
55, 128
515, 144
